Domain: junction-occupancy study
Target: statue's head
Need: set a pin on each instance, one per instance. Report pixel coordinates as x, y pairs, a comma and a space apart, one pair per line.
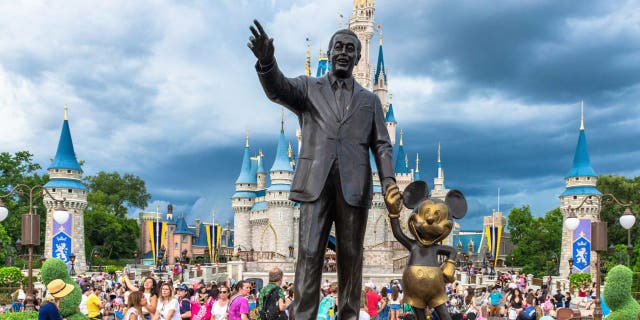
344, 52
431, 220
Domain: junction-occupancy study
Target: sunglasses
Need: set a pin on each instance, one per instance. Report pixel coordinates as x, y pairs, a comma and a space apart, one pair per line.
224, 291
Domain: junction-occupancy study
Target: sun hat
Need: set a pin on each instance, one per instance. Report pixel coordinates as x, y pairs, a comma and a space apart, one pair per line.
58, 288
182, 287
370, 285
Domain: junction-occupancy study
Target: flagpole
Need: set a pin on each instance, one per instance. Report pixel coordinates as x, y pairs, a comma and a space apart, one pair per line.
158, 236
213, 230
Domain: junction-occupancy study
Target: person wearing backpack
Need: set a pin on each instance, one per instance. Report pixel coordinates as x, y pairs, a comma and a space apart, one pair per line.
271, 303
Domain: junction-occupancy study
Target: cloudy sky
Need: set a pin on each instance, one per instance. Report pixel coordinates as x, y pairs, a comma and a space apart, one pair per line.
166, 90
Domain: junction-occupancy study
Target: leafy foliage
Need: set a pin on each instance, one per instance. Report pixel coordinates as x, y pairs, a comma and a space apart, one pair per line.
10, 274
617, 294
113, 193
31, 315
106, 224
17, 169
626, 190
535, 239
580, 278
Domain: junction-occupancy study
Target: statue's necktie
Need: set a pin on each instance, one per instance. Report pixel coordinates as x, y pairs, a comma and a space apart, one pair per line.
342, 97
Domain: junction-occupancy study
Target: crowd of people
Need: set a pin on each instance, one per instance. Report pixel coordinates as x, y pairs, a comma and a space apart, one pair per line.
110, 297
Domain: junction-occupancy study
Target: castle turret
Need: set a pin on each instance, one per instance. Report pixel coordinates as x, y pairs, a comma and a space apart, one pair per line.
416, 173
65, 183
439, 191
380, 77
361, 24
390, 119
243, 199
580, 192
404, 175
262, 174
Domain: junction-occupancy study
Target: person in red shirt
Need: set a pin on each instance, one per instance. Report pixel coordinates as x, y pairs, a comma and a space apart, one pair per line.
373, 298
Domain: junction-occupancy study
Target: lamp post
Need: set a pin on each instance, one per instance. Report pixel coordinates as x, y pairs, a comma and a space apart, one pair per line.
627, 220
72, 258
135, 258
570, 261
31, 227
95, 254
554, 262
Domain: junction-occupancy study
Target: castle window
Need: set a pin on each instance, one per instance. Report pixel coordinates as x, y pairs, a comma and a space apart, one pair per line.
588, 178
184, 238
577, 178
68, 171
175, 246
53, 189
575, 197
70, 190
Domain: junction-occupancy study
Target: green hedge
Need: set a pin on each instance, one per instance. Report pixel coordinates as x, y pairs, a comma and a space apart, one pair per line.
635, 287
10, 274
617, 294
31, 315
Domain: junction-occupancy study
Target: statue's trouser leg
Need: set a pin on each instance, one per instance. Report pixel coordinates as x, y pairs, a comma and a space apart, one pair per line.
443, 312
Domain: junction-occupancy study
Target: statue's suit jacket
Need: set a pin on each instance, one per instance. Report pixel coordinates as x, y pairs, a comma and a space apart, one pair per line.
330, 134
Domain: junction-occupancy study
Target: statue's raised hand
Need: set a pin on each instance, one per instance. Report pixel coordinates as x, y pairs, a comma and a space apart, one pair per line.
260, 44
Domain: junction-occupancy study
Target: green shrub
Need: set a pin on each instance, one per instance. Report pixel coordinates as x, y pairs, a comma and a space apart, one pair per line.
77, 316
10, 274
54, 269
31, 315
617, 294
635, 287
580, 278
113, 269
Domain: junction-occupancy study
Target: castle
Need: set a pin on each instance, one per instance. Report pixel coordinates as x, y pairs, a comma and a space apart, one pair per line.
266, 221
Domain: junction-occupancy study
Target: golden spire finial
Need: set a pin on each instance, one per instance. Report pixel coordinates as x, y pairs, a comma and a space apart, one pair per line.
390, 97
438, 152
401, 133
290, 151
417, 162
66, 112
260, 153
582, 115
246, 141
307, 64
282, 122
380, 33
406, 161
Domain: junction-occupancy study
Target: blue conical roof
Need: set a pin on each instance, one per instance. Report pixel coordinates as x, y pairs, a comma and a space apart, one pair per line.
182, 228
281, 162
390, 116
65, 155
202, 237
581, 164
380, 69
323, 67
261, 163
245, 171
401, 164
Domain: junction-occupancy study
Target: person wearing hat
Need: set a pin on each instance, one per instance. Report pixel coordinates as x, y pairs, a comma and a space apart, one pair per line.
185, 305
57, 289
373, 299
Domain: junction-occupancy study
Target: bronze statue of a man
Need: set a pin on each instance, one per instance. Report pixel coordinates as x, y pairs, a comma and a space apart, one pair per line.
341, 122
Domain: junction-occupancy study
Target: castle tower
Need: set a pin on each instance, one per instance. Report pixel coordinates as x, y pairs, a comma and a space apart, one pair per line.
361, 23
439, 191
492, 235
275, 235
391, 122
65, 183
404, 175
262, 175
580, 189
416, 173
380, 78
243, 200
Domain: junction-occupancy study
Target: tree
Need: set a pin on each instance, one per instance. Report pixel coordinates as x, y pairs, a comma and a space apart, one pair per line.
535, 239
16, 169
116, 192
106, 224
625, 190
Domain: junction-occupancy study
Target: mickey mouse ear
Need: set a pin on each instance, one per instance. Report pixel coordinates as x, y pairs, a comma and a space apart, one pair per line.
457, 204
414, 193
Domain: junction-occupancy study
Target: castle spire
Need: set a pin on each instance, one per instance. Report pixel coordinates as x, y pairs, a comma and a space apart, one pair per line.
245, 171
401, 134
380, 68
416, 173
65, 155
581, 163
281, 162
582, 115
66, 112
282, 122
402, 162
246, 143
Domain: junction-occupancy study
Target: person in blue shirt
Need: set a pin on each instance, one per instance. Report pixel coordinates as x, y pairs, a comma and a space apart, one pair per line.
17, 306
494, 302
57, 289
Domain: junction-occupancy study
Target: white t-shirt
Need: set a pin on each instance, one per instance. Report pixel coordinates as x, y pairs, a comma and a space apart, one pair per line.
220, 312
83, 305
364, 315
164, 309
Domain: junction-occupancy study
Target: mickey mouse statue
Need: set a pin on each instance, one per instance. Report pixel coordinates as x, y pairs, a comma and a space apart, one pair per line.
424, 278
